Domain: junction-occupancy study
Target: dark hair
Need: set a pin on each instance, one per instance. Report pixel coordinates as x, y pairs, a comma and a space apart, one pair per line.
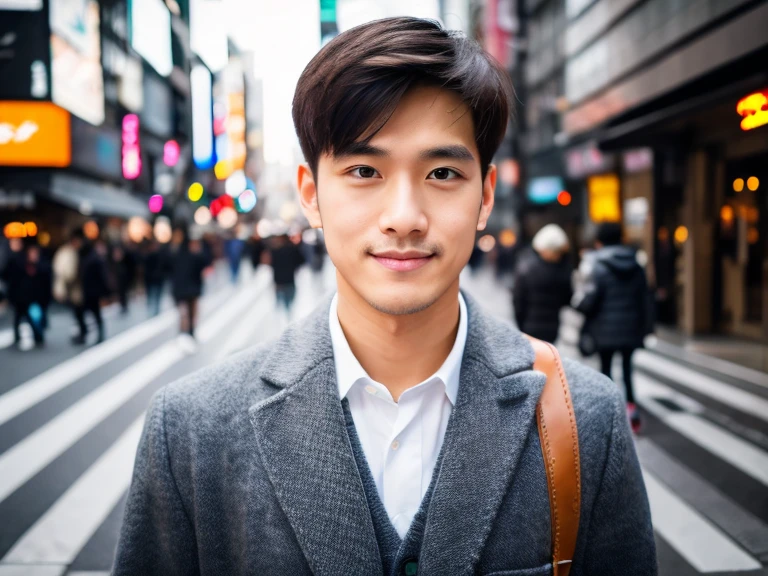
609, 234
352, 86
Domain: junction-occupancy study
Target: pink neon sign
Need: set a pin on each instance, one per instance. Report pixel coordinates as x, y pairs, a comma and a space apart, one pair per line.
171, 152
131, 149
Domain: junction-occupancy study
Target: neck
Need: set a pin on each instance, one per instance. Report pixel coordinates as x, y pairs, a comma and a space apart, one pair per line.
399, 351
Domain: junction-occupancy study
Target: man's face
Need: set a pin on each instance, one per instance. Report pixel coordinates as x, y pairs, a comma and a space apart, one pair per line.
400, 215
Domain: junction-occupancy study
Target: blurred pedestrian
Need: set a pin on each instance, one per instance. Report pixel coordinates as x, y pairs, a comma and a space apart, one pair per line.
256, 249
187, 263
543, 284
614, 299
67, 285
123, 269
233, 247
29, 290
285, 258
154, 276
95, 287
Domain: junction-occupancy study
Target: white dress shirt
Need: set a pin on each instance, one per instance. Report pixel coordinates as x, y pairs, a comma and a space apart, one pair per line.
401, 440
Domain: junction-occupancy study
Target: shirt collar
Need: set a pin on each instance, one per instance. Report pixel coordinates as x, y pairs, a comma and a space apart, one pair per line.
349, 371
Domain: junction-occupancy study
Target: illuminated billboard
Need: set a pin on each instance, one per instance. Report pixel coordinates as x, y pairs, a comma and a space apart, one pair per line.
150, 24
77, 77
754, 110
202, 117
604, 198
544, 189
34, 134
208, 33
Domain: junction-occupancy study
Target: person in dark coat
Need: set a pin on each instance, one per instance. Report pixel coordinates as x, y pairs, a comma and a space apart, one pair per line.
285, 258
93, 278
543, 284
615, 303
187, 263
30, 281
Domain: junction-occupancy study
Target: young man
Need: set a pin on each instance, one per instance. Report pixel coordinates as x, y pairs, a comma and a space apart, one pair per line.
394, 430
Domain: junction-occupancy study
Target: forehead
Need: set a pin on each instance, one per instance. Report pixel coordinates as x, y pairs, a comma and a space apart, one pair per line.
427, 116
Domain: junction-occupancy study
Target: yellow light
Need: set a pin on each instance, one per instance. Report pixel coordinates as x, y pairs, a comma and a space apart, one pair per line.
754, 110
753, 214
223, 169
738, 185
91, 230
44, 239
681, 234
726, 214
753, 183
31, 228
195, 192
507, 238
604, 201
753, 235
15, 230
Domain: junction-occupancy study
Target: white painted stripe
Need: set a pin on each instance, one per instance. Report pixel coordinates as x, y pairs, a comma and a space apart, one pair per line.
37, 389
28, 394
31, 570
739, 453
714, 363
37, 450
724, 393
65, 528
6, 337
702, 545
240, 337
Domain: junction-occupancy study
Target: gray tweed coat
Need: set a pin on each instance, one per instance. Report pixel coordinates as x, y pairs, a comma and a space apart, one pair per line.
245, 467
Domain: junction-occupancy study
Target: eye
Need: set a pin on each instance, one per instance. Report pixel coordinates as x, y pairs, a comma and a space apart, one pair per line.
443, 174
363, 172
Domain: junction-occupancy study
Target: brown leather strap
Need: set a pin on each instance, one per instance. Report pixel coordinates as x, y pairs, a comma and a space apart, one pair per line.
560, 447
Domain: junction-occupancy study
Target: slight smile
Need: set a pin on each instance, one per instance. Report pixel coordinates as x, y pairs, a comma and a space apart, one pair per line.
403, 261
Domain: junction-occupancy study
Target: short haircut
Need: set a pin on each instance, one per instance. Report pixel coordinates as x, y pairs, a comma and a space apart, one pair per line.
352, 86
609, 234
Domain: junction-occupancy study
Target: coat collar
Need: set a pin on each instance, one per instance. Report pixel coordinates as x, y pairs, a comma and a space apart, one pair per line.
302, 440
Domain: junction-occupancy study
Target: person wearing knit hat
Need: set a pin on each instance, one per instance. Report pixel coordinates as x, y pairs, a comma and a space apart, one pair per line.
543, 284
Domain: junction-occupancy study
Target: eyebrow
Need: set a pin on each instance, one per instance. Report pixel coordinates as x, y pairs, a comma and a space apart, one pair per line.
452, 152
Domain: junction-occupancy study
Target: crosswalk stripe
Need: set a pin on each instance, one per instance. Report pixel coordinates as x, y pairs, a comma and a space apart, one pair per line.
238, 338
36, 451
26, 395
28, 570
737, 452
66, 527
701, 544
723, 393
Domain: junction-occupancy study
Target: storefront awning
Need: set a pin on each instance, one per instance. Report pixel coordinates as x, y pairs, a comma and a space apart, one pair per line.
92, 198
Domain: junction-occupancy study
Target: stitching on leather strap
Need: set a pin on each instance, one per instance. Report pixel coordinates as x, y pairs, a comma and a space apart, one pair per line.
574, 433
550, 467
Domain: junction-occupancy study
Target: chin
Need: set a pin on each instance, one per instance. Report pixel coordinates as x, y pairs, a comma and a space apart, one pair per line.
399, 301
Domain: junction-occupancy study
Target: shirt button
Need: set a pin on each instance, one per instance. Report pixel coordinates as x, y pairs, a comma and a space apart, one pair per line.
411, 568
395, 445
371, 390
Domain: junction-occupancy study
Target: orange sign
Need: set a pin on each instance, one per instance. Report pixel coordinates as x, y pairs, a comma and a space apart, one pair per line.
34, 134
604, 200
754, 110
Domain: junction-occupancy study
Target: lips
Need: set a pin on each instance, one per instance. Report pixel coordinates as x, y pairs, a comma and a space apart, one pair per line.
403, 261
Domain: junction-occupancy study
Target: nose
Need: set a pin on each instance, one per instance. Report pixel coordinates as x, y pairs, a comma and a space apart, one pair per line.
403, 214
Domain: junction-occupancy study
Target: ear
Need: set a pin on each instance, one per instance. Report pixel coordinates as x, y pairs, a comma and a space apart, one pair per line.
489, 185
308, 196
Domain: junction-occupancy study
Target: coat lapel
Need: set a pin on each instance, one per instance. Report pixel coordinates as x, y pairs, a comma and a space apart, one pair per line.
303, 443
487, 433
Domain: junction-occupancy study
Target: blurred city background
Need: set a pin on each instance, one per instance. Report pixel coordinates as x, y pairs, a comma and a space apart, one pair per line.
147, 157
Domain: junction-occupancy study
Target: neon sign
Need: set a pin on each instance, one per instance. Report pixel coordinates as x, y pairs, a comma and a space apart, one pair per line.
754, 110
131, 150
171, 153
